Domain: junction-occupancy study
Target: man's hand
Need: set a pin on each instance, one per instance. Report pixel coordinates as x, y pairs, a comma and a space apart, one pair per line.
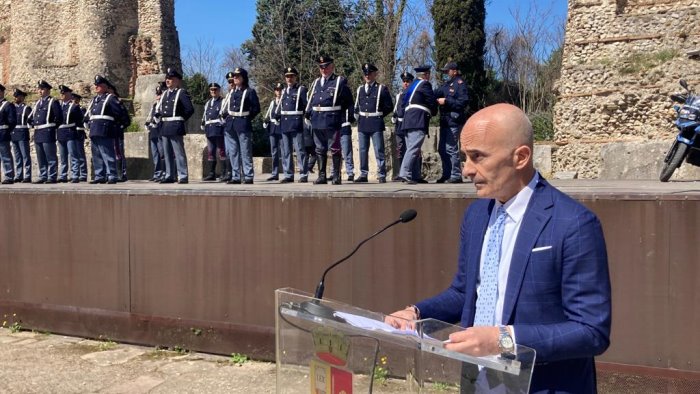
475, 341
441, 101
402, 320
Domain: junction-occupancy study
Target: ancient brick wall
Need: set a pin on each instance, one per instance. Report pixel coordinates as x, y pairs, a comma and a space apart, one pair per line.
622, 59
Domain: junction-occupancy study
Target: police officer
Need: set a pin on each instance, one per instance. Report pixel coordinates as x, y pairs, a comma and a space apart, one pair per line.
291, 117
400, 135
241, 106
346, 142
372, 103
213, 127
20, 139
452, 99
174, 108
271, 125
8, 120
418, 105
153, 125
330, 97
122, 123
102, 116
45, 118
67, 137
80, 128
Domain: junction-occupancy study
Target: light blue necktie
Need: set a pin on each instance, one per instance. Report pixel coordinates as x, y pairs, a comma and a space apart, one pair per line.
488, 288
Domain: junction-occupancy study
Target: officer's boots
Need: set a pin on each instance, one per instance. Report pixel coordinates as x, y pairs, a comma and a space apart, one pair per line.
226, 173
337, 160
211, 176
321, 180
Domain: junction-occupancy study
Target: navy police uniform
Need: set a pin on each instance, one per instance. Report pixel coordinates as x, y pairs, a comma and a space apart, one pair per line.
174, 109
122, 123
290, 114
46, 117
213, 127
418, 105
68, 138
20, 139
400, 135
80, 128
452, 118
329, 98
272, 125
372, 103
153, 125
346, 142
239, 109
103, 116
8, 120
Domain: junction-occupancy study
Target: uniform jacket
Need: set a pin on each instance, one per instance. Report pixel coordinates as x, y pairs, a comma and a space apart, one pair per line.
290, 113
103, 115
418, 105
456, 99
239, 108
271, 123
348, 118
8, 120
174, 109
558, 292
21, 131
80, 127
123, 121
45, 118
327, 103
153, 123
72, 116
371, 106
212, 124
397, 116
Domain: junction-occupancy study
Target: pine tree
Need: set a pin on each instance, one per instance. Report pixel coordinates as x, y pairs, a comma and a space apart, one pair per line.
460, 37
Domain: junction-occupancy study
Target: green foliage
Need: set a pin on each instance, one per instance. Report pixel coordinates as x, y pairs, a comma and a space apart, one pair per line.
197, 86
16, 324
542, 125
238, 359
641, 61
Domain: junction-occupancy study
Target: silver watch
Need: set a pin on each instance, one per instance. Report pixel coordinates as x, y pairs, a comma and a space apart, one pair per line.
505, 341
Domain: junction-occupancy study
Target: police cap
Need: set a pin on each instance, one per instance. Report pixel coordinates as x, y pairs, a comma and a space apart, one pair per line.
76, 96
450, 66
290, 71
368, 68
64, 89
241, 71
324, 60
18, 93
422, 69
229, 76
214, 85
172, 73
43, 84
100, 80
407, 76
279, 86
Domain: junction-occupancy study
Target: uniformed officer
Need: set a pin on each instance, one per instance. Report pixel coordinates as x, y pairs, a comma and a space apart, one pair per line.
271, 124
45, 119
329, 98
400, 135
452, 99
372, 103
8, 120
122, 124
213, 127
346, 142
174, 108
80, 128
20, 139
239, 109
67, 137
102, 118
153, 125
418, 105
291, 117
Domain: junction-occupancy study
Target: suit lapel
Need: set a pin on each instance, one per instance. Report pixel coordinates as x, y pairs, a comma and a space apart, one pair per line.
536, 217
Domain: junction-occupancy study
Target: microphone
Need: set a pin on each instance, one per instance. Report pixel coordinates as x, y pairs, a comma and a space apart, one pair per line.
317, 309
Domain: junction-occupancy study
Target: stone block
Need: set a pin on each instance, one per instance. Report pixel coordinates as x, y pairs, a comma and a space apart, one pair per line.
542, 157
634, 160
145, 92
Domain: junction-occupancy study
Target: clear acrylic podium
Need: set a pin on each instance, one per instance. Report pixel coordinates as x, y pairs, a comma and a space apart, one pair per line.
328, 347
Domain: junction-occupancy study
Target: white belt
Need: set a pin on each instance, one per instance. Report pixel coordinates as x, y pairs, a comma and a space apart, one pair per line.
63, 126
327, 109
292, 112
239, 114
346, 124
215, 121
20, 127
416, 106
101, 117
80, 128
4, 127
371, 114
173, 119
274, 121
44, 126
399, 119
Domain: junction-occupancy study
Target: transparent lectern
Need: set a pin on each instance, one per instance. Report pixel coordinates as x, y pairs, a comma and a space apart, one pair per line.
328, 347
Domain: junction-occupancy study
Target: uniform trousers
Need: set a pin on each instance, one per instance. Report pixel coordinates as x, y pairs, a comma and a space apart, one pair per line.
275, 147
104, 159
8, 165
82, 160
175, 157
157, 157
239, 147
414, 142
23, 160
46, 156
448, 148
346, 147
68, 150
291, 142
377, 138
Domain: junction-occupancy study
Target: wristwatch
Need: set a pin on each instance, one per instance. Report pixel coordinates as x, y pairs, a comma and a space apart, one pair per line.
505, 341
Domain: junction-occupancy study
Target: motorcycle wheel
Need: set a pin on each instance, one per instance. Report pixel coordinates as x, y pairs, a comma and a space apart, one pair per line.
675, 158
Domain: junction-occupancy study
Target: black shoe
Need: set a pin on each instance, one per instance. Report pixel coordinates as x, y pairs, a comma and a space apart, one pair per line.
210, 177
28, 180
273, 178
40, 181
82, 179
396, 179
183, 181
248, 181
361, 179
441, 180
167, 180
351, 178
96, 181
122, 180
455, 180
288, 180
51, 181
408, 181
421, 181
7, 181
63, 180
337, 180
321, 180
234, 182
154, 179
112, 182
74, 181
382, 180
17, 180
303, 179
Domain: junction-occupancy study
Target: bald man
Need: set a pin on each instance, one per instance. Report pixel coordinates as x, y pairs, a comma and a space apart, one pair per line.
532, 267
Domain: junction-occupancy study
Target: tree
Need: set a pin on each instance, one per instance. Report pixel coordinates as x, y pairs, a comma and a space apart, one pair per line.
198, 88
460, 37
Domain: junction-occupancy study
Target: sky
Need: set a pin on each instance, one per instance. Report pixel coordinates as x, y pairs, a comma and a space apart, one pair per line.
226, 25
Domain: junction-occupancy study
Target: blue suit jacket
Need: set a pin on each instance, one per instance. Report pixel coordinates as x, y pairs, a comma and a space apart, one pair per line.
557, 298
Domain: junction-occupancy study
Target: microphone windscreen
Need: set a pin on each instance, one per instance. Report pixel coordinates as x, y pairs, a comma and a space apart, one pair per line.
408, 215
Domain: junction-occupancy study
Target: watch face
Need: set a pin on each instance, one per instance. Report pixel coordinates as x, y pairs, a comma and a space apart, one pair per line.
506, 342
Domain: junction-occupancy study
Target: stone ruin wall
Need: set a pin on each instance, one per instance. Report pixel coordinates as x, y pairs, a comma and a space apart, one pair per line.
605, 97
122, 39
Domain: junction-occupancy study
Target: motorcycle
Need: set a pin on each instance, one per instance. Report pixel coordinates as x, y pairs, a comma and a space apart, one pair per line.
687, 144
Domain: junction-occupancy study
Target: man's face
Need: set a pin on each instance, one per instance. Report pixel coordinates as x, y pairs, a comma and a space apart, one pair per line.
371, 77
214, 92
43, 92
490, 160
172, 83
19, 99
237, 80
326, 69
231, 83
291, 79
100, 88
406, 83
76, 101
66, 96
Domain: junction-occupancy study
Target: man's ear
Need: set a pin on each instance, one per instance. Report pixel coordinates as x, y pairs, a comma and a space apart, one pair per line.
522, 156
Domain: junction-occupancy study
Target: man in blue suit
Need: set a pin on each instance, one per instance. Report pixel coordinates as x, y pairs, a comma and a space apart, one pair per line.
532, 267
